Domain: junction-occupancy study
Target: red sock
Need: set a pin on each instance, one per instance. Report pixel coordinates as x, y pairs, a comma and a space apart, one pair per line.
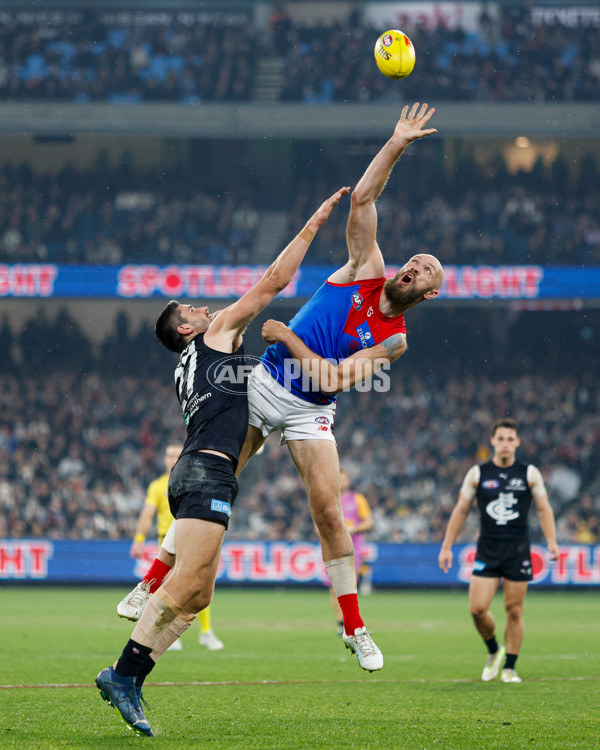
352, 618
157, 574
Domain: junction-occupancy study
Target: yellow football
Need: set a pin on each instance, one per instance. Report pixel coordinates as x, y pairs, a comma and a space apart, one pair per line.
394, 54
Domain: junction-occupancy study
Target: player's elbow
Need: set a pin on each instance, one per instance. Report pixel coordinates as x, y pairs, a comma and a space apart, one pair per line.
275, 281
327, 389
360, 197
332, 382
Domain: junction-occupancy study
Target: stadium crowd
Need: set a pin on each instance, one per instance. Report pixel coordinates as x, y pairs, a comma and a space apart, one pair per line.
108, 218
83, 428
195, 57
80, 57
506, 59
470, 215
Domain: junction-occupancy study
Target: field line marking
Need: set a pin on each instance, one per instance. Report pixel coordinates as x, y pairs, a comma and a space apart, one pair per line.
234, 683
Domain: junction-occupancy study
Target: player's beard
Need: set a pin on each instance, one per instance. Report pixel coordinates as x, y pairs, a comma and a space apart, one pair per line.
400, 296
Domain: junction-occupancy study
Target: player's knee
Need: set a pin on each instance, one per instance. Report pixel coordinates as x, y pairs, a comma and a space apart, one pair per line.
514, 612
198, 603
478, 611
328, 519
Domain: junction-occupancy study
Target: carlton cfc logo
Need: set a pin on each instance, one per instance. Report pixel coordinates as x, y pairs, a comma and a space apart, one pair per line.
357, 301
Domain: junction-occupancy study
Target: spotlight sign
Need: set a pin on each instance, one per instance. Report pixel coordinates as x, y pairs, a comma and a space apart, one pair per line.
517, 282
278, 563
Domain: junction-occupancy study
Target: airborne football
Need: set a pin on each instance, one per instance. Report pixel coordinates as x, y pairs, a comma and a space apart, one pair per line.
394, 54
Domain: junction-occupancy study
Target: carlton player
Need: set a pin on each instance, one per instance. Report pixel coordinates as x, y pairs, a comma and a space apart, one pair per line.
504, 489
352, 326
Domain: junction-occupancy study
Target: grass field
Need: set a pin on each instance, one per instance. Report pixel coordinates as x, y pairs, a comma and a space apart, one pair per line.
284, 679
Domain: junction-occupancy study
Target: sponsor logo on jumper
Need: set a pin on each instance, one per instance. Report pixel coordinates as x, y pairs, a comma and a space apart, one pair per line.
364, 335
516, 483
357, 301
370, 311
194, 404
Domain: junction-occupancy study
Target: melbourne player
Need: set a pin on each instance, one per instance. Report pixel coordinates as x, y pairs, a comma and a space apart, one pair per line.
504, 489
352, 326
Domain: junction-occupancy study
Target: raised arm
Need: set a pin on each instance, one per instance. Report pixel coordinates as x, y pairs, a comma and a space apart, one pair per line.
330, 377
364, 256
225, 332
458, 517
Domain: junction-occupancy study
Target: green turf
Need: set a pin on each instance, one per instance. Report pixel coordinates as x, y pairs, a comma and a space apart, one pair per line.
289, 683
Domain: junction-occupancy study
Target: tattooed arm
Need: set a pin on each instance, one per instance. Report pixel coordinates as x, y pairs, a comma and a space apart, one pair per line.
331, 377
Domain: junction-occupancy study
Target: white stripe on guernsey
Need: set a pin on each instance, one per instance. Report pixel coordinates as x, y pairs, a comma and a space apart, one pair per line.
470, 482
191, 374
535, 482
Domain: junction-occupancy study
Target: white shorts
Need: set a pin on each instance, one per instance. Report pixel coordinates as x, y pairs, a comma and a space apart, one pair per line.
168, 543
272, 408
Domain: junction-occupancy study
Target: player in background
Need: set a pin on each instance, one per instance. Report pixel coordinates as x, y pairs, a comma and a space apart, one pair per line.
355, 319
202, 485
157, 502
359, 520
504, 489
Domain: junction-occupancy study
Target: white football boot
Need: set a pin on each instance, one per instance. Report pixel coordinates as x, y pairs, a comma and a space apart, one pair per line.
132, 606
509, 675
210, 641
368, 655
492, 665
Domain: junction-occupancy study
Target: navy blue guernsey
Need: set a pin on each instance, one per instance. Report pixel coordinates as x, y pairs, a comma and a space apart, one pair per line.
504, 499
212, 390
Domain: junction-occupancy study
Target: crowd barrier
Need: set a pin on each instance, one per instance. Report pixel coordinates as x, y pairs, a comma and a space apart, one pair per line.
277, 563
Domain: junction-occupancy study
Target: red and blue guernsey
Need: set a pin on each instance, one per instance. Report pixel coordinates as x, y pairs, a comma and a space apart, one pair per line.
337, 321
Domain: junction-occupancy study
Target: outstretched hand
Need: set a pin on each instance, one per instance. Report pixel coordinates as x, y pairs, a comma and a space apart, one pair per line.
411, 125
322, 213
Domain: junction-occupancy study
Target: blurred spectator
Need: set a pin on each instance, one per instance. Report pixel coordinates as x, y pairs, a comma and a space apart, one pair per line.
188, 57
471, 215
78, 450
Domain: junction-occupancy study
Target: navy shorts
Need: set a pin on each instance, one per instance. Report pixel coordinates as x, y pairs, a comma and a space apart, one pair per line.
203, 485
511, 560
